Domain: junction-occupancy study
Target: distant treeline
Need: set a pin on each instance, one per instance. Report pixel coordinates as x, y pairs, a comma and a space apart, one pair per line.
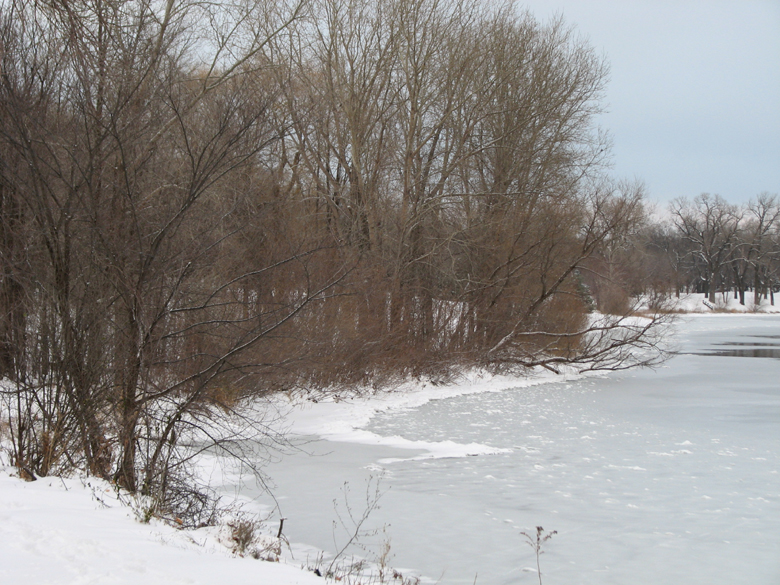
704, 245
710, 246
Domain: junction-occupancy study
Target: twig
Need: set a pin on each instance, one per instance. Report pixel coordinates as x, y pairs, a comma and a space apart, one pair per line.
536, 544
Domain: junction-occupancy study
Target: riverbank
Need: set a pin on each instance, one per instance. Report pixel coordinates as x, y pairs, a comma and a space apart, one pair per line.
78, 531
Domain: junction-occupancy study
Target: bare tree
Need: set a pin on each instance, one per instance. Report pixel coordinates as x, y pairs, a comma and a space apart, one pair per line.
451, 148
126, 151
710, 224
763, 219
548, 332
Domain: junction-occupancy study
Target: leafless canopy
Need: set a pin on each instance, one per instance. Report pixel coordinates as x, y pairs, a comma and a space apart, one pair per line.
207, 201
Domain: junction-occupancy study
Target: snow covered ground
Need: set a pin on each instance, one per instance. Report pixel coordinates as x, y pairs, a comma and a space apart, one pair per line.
69, 531
649, 477
724, 302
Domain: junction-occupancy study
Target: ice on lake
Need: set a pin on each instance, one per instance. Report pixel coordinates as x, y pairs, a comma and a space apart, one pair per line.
649, 476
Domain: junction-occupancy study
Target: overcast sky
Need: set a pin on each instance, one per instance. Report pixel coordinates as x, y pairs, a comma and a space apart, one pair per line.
694, 91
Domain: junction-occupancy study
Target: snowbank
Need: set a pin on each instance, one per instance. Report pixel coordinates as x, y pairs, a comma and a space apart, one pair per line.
341, 418
63, 531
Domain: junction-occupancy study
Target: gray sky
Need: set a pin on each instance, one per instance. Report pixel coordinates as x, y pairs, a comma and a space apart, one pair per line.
694, 91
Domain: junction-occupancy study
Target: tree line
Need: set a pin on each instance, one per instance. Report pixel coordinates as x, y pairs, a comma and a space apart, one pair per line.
207, 201
708, 246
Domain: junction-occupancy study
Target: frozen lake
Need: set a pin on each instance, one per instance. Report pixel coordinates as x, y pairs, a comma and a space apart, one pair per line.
665, 476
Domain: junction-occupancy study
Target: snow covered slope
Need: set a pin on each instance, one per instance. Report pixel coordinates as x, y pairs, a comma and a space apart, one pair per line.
65, 531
